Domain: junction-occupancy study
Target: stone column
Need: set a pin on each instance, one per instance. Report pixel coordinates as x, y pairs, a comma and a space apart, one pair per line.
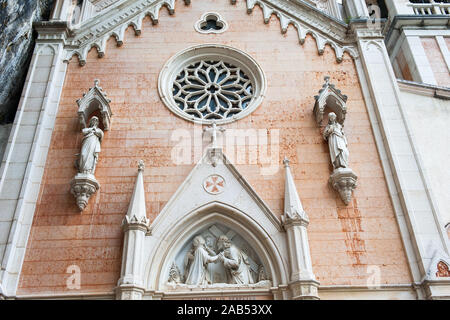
61, 11
420, 224
356, 9
303, 284
417, 59
398, 7
135, 225
23, 163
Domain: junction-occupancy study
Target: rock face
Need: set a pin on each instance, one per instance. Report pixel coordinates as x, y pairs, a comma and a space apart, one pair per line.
16, 48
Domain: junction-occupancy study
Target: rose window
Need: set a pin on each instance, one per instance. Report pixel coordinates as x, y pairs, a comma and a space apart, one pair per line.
211, 83
212, 90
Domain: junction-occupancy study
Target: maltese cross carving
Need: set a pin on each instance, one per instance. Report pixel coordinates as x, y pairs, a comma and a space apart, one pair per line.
214, 184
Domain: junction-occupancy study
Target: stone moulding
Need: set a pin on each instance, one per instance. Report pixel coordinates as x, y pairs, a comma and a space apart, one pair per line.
92, 101
343, 180
114, 20
83, 186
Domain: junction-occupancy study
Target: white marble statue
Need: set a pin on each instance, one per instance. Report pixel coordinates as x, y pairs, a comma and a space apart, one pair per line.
235, 262
90, 147
337, 142
196, 262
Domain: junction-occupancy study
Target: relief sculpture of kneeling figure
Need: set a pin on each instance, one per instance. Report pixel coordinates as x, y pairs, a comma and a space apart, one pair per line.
235, 262
196, 262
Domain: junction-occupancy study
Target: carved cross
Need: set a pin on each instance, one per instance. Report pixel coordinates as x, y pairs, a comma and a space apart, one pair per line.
213, 131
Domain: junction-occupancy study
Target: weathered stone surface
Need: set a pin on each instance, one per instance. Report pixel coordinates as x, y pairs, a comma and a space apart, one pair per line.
16, 46
344, 240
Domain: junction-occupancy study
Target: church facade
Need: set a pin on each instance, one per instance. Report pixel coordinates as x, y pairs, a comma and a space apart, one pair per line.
263, 149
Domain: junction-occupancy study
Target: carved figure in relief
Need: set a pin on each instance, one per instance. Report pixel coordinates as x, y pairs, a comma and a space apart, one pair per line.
196, 262
235, 262
174, 274
261, 274
337, 142
90, 147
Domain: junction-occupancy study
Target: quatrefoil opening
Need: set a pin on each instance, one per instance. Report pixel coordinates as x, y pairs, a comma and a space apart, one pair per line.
211, 22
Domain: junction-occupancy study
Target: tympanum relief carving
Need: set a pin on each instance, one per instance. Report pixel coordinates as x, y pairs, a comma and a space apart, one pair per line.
217, 257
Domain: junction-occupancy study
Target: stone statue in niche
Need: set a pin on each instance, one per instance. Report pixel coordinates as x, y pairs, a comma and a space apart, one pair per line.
235, 262
196, 262
337, 142
90, 147
343, 178
84, 184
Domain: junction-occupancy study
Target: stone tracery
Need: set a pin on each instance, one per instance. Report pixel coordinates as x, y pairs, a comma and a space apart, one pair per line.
212, 90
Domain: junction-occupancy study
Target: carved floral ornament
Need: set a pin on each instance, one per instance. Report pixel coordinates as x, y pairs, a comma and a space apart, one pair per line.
212, 83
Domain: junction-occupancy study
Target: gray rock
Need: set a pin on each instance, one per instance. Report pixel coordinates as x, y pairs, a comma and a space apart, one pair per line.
16, 47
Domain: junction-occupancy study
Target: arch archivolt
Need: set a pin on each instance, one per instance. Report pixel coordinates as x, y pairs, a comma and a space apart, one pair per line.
267, 243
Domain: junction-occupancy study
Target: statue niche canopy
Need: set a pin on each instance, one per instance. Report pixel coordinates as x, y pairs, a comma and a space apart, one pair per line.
216, 256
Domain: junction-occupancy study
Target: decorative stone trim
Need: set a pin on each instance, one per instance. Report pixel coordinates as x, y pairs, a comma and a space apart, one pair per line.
94, 100
331, 97
308, 21
305, 290
116, 19
83, 186
214, 184
200, 25
343, 180
439, 266
184, 63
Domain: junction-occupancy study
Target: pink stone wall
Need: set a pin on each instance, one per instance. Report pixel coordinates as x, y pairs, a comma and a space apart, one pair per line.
437, 62
344, 240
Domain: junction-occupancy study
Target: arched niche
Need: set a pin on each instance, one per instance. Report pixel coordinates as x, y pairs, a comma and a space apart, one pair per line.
330, 98
94, 102
176, 242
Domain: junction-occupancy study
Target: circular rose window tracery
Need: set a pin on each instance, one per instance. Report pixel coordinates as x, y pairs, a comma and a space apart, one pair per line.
211, 83
212, 90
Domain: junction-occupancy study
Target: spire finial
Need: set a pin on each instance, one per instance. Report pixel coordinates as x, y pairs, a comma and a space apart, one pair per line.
286, 162
141, 165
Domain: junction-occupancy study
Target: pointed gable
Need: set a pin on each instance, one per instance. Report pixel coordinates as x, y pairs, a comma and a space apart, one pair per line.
215, 180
